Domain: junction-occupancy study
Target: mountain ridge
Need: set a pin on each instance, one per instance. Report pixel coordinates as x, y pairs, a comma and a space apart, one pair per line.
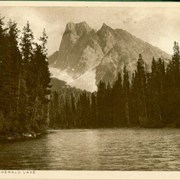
107, 50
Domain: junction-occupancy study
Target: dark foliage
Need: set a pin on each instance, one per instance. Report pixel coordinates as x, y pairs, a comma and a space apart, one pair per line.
24, 81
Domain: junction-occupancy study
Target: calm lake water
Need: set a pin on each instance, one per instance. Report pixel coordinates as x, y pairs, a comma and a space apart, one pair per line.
102, 149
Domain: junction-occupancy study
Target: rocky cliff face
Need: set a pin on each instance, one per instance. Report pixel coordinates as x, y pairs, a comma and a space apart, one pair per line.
79, 50
87, 56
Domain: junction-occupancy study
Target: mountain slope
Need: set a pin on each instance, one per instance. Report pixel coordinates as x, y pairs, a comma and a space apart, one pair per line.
103, 52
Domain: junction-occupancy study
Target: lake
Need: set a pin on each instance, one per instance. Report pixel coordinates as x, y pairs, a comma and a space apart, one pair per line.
99, 149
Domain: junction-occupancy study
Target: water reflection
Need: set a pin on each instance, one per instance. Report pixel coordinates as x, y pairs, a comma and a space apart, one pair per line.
24, 155
102, 149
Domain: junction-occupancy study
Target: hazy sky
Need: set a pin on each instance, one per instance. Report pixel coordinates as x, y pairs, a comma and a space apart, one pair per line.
158, 26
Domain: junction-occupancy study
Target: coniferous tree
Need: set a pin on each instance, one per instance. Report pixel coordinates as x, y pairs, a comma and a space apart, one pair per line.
3, 64
118, 110
108, 104
134, 113
126, 94
13, 75
142, 92
3, 55
101, 93
73, 111
40, 79
26, 45
93, 111
55, 118
155, 95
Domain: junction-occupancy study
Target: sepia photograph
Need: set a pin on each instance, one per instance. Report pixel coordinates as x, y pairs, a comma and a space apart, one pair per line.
90, 87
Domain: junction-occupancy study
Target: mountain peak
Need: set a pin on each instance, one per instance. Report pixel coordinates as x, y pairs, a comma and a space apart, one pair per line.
82, 28
105, 26
78, 28
83, 23
70, 27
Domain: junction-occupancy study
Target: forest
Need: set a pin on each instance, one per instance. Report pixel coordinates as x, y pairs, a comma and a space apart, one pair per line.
144, 98
24, 80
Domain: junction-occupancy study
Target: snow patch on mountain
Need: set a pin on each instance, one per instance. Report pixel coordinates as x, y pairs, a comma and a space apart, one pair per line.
87, 81
60, 74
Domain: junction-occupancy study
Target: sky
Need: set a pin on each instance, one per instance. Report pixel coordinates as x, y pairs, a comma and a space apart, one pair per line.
160, 26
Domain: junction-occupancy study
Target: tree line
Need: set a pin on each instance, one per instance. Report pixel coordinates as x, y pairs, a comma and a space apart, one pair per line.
24, 80
140, 99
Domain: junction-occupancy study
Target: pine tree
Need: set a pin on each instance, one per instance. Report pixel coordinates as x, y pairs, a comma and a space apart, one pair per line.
134, 109
155, 94
142, 93
54, 109
108, 106
126, 94
93, 111
101, 94
73, 111
27, 41
15, 64
3, 66
27, 79
3, 55
39, 84
118, 110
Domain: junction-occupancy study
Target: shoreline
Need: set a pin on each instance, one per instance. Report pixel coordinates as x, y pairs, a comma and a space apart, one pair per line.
20, 136
29, 136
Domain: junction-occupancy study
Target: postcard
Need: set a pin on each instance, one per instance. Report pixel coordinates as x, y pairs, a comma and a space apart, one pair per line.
89, 90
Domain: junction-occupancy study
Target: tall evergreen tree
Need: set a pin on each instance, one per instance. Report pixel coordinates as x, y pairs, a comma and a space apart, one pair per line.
39, 84
3, 56
27, 78
126, 94
118, 110
101, 94
155, 94
15, 65
73, 111
93, 111
142, 91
